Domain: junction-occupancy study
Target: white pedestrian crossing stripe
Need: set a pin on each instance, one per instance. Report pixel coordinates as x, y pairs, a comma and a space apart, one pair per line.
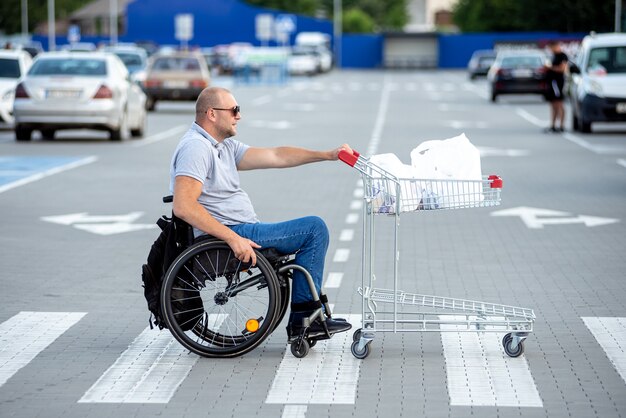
26, 334
327, 375
611, 335
479, 373
149, 371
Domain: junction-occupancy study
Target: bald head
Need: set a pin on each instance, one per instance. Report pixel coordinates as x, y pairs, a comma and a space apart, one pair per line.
210, 97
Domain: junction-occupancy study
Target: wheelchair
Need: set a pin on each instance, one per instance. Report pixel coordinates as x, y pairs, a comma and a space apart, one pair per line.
218, 306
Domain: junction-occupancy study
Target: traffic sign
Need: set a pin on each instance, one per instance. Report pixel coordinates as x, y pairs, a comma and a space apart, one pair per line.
73, 34
184, 26
264, 26
286, 23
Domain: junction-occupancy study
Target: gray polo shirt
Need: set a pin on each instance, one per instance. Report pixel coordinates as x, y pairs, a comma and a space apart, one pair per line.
201, 157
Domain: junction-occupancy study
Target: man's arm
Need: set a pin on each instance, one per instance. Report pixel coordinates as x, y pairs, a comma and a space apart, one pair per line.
283, 157
186, 193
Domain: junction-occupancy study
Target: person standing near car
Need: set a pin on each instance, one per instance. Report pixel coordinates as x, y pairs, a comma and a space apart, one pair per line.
556, 81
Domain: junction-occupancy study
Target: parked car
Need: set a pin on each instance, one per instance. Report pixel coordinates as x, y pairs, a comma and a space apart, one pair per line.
134, 58
598, 81
179, 75
518, 72
13, 65
79, 47
303, 62
78, 90
480, 62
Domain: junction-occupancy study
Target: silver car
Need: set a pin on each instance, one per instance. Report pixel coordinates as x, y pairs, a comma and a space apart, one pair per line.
78, 90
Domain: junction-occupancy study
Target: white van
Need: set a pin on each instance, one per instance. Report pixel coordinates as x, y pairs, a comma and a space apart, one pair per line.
317, 43
598, 81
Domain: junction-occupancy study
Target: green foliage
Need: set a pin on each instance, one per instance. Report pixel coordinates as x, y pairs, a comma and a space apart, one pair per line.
358, 15
534, 15
11, 13
305, 7
357, 21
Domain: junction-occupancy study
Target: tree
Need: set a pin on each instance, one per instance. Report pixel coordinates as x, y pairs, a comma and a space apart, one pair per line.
357, 21
362, 15
534, 15
11, 13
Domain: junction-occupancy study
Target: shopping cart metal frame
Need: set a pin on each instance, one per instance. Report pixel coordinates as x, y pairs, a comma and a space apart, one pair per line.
386, 194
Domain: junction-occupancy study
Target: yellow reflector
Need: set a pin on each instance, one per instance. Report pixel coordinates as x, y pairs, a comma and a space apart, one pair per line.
252, 325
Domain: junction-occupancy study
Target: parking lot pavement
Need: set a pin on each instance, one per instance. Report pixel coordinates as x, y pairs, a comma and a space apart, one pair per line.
74, 335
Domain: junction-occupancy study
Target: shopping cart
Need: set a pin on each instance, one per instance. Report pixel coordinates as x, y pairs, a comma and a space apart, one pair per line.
386, 194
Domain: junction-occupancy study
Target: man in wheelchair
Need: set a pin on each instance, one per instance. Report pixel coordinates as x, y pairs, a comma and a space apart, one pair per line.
207, 195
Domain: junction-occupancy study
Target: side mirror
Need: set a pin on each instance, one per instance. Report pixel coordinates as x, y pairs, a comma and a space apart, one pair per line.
573, 69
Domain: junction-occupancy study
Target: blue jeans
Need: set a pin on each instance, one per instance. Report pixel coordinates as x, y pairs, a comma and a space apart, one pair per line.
308, 236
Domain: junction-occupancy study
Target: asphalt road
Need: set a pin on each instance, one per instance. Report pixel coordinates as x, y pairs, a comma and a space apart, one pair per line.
78, 219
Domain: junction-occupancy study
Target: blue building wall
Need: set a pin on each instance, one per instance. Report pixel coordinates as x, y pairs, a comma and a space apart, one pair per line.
455, 50
215, 21
362, 51
226, 21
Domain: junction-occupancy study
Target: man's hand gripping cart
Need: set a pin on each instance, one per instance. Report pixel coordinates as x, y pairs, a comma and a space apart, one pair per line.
387, 194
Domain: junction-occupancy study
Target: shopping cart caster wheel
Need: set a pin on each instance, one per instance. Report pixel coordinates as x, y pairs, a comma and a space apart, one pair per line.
312, 343
357, 334
507, 343
360, 354
300, 348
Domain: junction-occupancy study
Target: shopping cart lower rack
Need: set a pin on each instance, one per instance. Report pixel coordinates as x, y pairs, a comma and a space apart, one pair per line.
393, 310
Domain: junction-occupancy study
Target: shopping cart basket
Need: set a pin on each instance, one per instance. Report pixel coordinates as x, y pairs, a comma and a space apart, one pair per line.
387, 194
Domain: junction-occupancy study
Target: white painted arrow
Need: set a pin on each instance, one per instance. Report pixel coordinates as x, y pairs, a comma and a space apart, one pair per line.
536, 218
101, 224
83, 217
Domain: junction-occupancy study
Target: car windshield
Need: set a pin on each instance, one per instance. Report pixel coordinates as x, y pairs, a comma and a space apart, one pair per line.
176, 64
608, 59
129, 59
9, 68
69, 66
530, 61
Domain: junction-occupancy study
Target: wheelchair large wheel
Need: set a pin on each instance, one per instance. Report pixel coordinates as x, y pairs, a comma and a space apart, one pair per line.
216, 305
284, 291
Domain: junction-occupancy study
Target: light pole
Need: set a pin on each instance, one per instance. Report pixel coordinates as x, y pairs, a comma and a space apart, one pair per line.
338, 30
113, 21
618, 15
51, 28
24, 20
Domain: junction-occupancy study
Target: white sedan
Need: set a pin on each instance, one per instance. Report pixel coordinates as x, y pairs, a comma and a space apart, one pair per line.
13, 66
303, 62
78, 90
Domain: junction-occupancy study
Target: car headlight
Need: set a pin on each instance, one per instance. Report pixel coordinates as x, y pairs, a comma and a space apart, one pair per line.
8, 95
593, 87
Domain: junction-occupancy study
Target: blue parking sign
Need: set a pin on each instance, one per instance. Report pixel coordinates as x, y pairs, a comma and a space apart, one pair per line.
73, 33
285, 23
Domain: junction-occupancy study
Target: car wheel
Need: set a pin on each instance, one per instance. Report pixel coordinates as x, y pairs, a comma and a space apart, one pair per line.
121, 132
48, 134
23, 134
585, 127
575, 122
150, 104
139, 131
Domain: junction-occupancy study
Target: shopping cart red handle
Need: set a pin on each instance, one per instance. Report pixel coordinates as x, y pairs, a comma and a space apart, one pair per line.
495, 181
349, 158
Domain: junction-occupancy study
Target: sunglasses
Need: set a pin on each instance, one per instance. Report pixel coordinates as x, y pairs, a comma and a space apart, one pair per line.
234, 109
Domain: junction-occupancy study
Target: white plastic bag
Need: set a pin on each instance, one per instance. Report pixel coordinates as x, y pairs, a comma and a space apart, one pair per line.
383, 191
444, 161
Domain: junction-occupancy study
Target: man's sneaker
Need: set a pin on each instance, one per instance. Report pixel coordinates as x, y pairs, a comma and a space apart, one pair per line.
317, 328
